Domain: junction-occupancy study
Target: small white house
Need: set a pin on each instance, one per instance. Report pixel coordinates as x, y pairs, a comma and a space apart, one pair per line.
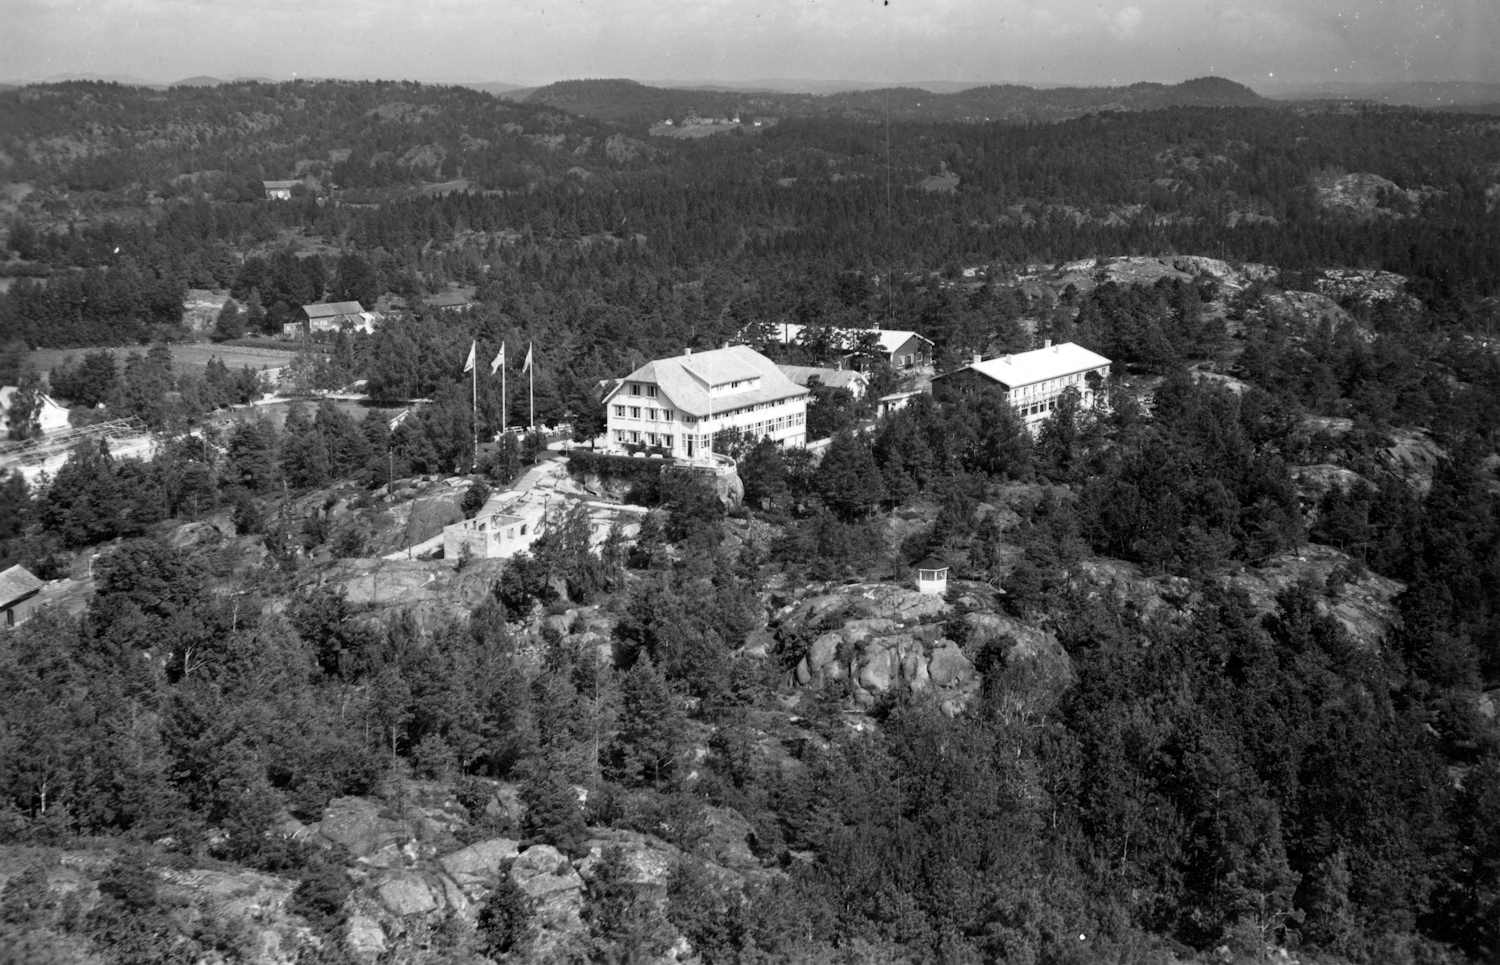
494, 535
52, 417
491, 536
932, 576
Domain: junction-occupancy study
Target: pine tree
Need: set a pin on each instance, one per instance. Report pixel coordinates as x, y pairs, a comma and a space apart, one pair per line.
652, 729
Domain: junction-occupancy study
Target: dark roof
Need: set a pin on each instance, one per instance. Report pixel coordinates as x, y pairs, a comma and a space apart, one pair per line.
17, 583
449, 300
330, 309
932, 563
833, 378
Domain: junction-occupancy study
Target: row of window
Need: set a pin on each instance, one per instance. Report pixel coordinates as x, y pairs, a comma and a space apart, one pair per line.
652, 414
757, 407
662, 439
769, 427
647, 390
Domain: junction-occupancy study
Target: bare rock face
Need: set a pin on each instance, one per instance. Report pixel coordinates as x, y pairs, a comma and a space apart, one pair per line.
878, 637
1364, 603
364, 938
479, 865
355, 824
556, 891
1043, 661
730, 489
649, 861
1315, 481
409, 893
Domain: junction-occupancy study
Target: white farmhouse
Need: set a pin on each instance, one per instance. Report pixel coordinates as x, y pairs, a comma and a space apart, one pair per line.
1032, 381
676, 405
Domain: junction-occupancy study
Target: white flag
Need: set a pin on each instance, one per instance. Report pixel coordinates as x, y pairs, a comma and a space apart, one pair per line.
496, 365
469, 365
526, 365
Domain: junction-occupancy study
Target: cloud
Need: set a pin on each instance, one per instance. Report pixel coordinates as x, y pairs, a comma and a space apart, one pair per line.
1126, 22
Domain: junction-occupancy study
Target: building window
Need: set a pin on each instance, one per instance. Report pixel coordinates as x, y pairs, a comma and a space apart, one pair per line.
635, 412
666, 415
635, 389
620, 411
651, 391
666, 441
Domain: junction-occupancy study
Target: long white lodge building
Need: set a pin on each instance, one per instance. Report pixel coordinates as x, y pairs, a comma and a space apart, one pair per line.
676, 405
1033, 381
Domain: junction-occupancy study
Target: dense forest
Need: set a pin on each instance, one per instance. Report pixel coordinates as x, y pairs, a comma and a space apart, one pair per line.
1215, 678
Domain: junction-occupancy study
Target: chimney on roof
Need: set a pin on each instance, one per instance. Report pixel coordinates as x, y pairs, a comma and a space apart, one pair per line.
687, 351
978, 357
1047, 343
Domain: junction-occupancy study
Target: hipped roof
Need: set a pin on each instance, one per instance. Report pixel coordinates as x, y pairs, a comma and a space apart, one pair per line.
685, 379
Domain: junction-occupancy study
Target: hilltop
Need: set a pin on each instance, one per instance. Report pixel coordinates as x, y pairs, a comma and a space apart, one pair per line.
631, 102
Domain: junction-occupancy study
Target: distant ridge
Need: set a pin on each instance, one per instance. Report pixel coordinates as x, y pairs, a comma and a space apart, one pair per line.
630, 102
492, 87
1454, 94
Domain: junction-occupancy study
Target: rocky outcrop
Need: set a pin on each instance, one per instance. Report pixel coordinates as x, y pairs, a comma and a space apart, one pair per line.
1306, 312
355, 824
477, 867
875, 637
410, 893
1040, 668
1364, 603
1314, 482
556, 893
364, 938
1366, 195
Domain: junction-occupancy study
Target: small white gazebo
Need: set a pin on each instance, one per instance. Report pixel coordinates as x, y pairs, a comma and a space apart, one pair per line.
932, 576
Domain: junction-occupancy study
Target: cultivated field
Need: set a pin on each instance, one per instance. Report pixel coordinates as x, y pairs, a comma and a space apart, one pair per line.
187, 357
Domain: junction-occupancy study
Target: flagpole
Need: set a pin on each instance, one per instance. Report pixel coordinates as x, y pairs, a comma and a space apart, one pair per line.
474, 421
504, 422
531, 384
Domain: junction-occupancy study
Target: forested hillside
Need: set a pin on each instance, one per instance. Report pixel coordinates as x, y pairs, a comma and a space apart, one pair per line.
1215, 678
640, 105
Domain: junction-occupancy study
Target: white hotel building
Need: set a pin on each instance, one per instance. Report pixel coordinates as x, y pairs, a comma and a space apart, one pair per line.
1033, 381
677, 405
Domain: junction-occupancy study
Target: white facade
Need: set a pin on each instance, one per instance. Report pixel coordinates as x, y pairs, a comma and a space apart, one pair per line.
932, 577
51, 418
1034, 380
491, 536
675, 406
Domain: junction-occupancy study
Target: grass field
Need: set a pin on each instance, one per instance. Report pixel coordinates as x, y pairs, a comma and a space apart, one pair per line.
187, 357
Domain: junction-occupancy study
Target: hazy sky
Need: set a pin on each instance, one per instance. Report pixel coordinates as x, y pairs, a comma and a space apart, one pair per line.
1263, 43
